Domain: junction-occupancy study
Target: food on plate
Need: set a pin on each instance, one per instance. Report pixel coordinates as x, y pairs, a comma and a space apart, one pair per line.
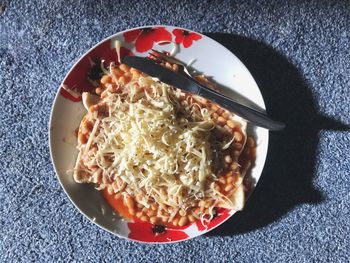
171, 157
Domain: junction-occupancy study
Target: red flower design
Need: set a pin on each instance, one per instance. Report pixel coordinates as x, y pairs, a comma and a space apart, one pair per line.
89, 67
185, 37
146, 37
221, 215
147, 232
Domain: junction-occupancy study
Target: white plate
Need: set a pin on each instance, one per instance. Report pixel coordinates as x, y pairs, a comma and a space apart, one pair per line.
208, 57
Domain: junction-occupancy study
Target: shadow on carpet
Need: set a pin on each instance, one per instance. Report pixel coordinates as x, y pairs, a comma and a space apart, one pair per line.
287, 178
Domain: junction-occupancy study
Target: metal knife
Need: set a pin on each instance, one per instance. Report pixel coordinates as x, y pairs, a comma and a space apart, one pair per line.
188, 84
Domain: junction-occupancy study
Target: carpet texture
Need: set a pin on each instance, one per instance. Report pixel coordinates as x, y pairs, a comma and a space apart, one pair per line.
299, 54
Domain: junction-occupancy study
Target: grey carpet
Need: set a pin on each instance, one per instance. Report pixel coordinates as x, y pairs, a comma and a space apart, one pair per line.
299, 53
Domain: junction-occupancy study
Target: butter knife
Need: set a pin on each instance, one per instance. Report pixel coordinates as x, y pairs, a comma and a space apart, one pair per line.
189, 84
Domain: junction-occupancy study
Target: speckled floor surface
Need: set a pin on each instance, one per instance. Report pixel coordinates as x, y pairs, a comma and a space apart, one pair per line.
299, 54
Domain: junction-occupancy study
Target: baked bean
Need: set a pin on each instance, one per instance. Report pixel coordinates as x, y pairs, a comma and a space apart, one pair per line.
183, 221
129, 202
82, 138
229, 179
84, 130
228, 159
107, 86
117, 72
230, 124
234, 166
175, 221
124, 67
139, 206
238, 136
117, 196
226, 115
135, 73
123, 80
105, 79
168, 65
215, 116
175, 67
191, 218
98, 91
221, 121
128, 75
93, 108
228, 187
87, 127
182, 213
214, 107
217, 188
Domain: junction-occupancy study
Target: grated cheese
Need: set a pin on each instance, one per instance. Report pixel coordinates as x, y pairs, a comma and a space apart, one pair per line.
156, 147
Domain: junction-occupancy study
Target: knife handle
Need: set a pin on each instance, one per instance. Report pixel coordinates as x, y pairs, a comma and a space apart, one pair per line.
256, 117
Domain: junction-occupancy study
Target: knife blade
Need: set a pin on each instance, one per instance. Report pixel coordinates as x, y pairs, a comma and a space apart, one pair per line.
189, 84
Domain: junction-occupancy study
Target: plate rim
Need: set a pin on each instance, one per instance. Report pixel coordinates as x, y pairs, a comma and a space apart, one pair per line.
54, 105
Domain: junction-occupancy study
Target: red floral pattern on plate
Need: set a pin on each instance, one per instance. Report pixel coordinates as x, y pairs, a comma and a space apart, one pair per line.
147, 232
145, 38
185, 37
221, 215
89, 68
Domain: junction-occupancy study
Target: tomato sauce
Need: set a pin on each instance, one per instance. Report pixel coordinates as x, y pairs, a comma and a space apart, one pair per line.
119, 207
117, 204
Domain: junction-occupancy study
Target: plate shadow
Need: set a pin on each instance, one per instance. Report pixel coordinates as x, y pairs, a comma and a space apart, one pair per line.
286, 181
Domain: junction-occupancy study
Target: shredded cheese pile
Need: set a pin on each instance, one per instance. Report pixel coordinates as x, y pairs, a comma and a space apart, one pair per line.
162, 152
